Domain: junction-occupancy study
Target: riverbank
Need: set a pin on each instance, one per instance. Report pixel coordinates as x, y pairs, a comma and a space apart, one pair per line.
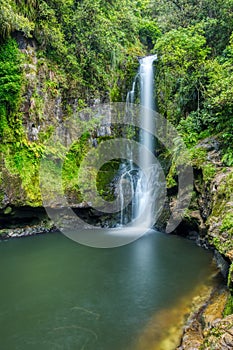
18, 222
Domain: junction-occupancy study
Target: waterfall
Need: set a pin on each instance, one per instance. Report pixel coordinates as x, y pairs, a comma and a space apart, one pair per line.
131, 94
141, 184
147, 101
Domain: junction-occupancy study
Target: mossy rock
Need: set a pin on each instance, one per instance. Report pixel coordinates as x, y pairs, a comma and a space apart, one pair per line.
220, 222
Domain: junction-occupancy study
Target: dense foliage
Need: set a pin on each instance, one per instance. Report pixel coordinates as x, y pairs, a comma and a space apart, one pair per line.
69, 55
10, 87
92, 40
194, 80
87, 51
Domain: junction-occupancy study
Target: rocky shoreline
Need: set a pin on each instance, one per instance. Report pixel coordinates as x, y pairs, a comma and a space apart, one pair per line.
26, 232
206, 327
18, 222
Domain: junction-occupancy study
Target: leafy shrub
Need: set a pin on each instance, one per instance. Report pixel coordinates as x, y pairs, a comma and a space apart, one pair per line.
10, 87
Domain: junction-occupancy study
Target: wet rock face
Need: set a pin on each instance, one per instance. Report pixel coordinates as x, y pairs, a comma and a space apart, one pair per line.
23, 221
15, 217
220, 221
42, 103
16, 222
210, 144
210, 213
22, 41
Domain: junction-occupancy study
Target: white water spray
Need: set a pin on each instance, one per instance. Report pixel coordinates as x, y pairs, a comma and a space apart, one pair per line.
142, 183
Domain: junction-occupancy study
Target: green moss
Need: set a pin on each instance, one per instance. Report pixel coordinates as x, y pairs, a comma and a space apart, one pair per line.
221, 218
209, 171
199, 160
8, 210
1, 197
70, 169
198, 156
104, 178
17, 15
227, 223
216, 242
223, 197
10, 89
230, 278
170, 179
23, 161
229, 306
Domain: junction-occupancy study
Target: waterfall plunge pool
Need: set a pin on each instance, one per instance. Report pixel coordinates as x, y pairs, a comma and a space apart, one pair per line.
57, 294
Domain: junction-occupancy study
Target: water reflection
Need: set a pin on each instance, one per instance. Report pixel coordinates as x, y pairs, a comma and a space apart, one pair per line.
56, 294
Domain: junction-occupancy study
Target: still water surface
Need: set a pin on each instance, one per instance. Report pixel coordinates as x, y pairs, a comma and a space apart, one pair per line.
57, 294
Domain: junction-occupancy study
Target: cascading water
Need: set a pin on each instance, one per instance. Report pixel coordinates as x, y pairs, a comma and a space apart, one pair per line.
143, 183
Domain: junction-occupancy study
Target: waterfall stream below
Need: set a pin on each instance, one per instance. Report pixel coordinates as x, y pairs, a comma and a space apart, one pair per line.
141, 183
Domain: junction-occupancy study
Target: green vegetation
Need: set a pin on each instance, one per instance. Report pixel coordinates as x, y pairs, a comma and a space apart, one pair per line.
221, 215
71, 165
10, 88
194, 80
194, 92
227, 223
17, 15
58, 57
104, 178
229, 306
73, 53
